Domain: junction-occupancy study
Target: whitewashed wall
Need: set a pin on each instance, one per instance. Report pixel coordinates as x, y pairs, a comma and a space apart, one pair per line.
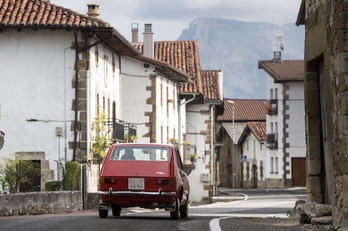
274, 168
296, 123
36, 83
136, 96
295, 129
256, 155
196, 122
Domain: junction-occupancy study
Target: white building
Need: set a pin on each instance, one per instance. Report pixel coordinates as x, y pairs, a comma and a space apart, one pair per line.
285, 122
200, 102
241, 132
60, 69
253, 155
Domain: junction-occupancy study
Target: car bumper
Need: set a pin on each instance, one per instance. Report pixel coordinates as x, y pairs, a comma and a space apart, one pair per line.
158, 194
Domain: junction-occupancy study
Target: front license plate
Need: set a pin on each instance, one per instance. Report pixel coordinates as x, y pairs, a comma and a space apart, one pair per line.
136, 183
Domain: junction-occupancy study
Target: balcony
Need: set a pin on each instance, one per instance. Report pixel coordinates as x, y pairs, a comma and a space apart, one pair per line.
272, 140
272, 107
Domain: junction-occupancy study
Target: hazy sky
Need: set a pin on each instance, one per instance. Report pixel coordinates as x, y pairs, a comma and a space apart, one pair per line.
170, 17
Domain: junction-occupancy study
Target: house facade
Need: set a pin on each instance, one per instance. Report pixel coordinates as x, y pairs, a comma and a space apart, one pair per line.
253, 155
61, 70
236, 142
286, 147
199, 103
325, 89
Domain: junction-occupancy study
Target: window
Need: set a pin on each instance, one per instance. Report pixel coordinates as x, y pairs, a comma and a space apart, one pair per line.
254, 148
96, 56
271, 94
276, 93
97, 105
104, 104
174, 99
161, 99
108, 107
113, 63
106, 70
271, 128
276, 165
272, 165
142, 153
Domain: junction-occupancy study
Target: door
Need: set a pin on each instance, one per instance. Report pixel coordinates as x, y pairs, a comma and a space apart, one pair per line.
34, 175
298, 171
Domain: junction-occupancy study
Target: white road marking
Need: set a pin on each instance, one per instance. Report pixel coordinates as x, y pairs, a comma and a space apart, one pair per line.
214, 224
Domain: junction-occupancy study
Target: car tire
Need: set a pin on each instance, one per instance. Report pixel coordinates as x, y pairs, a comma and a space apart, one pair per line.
176, 213
116, 210
103, 213
184, 210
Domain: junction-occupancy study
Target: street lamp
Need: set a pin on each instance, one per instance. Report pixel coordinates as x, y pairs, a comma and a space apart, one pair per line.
232, 138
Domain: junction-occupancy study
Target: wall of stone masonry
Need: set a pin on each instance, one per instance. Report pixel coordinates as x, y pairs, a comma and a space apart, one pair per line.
37, 203
326, 46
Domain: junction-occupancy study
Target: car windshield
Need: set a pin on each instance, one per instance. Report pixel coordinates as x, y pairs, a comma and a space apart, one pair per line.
143, 153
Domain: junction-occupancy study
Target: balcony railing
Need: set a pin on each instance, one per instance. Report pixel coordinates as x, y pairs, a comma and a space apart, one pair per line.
272, 140
272, 107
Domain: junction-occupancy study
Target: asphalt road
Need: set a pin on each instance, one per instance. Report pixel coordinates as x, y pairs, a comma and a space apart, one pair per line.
257, 210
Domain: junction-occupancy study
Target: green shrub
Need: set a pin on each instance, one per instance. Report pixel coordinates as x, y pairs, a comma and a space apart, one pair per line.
52, 186
71, 176
18, 175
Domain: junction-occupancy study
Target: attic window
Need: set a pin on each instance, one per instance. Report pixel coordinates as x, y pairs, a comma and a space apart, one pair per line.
96, 53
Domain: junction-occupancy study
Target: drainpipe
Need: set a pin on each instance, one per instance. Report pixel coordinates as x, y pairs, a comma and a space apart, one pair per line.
76, 95
87, 112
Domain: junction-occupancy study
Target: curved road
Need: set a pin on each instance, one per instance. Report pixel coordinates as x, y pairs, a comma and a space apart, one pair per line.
213, 217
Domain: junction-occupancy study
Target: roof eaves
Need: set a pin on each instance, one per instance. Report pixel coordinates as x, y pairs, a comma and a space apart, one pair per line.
301, 14
166, 68
265, 67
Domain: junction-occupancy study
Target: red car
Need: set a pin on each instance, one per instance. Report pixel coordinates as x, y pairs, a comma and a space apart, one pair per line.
143, 175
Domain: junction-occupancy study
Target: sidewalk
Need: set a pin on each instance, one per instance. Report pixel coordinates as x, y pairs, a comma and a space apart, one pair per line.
227, 195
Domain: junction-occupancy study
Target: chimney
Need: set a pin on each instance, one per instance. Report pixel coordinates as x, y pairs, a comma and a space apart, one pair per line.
135, 29
148, 41
277, 58
93, 10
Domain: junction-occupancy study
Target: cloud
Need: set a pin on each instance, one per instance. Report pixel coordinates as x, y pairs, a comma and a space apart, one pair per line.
170, 17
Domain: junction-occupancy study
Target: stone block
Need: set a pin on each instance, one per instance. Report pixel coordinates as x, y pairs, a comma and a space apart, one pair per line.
315, 197
313, 147
313, 167
321, 220
323, 210
313, 184
308, 208
341, 167
312, 97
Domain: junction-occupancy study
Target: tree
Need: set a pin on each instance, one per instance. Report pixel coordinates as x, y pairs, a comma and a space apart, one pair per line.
101, 135
18, 174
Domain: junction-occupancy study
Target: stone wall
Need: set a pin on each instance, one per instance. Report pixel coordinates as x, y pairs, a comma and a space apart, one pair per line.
37, 203
326, 93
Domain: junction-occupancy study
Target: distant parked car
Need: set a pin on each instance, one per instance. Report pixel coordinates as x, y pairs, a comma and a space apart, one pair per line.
143, 175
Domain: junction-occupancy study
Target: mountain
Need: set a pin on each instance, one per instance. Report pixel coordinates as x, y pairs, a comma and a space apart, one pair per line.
235, 47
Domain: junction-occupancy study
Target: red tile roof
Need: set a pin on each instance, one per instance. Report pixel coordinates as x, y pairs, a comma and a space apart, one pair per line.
211, 85
184, 55
258, 129
244, 110
41, 13
285, 71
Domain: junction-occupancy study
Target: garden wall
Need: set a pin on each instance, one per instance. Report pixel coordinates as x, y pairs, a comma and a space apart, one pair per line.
37, 203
